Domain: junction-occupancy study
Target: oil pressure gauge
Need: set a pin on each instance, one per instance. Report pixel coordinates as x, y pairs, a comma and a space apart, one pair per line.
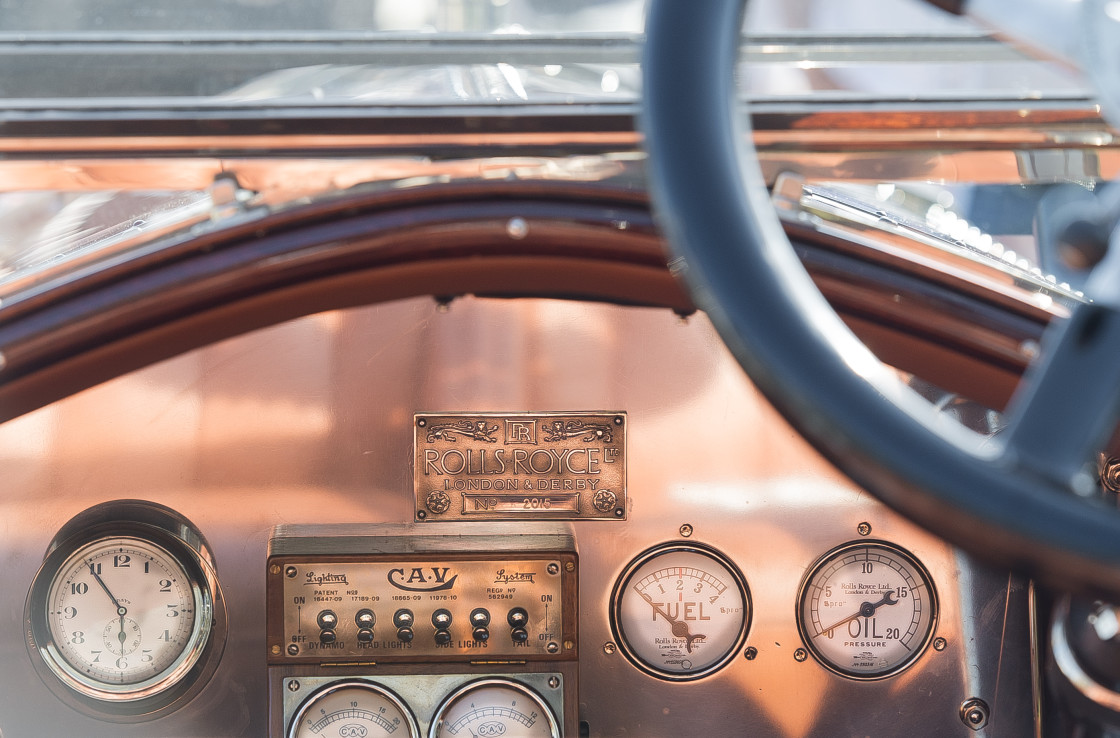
867, 610
680, 611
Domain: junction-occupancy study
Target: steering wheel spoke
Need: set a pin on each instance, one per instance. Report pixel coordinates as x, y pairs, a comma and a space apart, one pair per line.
1067, 408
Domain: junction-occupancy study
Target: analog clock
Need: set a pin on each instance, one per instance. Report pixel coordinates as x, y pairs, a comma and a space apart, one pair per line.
126, 614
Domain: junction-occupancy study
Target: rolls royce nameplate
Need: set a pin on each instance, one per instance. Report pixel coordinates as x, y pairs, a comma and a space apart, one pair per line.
520, 466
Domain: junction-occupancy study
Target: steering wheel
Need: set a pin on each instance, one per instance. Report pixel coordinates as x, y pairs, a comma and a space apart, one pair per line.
1028, 500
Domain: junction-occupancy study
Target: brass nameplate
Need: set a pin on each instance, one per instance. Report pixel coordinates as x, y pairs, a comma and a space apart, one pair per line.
494, 466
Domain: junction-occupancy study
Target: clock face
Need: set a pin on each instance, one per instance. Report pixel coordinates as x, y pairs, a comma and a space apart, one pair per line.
125, 619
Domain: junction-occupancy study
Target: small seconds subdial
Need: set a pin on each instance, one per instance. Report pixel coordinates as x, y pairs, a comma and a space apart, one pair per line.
122, 612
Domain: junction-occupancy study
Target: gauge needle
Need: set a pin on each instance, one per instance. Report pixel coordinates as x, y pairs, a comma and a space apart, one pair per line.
680, 627
121, 610
866, 610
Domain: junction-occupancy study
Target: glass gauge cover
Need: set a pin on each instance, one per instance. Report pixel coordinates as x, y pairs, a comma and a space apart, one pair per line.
494, 707
353, 709
867, 610
680, 611
125, 614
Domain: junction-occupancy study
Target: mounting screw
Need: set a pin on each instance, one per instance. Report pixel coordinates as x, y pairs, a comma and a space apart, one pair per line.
552, 647
618, 420
751, 653
619, 512
569, 566
420, 514
274, 569
975, 713
1108, 468
939, 644
293, 650
864, 529
517, 228
293, 686
290, 572
275, 650
553, 568
554, 682
800, 655
569, 645
686, 530
609, 648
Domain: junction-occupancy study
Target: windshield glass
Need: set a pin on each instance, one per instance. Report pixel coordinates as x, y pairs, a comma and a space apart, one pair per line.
140, 69
351, 52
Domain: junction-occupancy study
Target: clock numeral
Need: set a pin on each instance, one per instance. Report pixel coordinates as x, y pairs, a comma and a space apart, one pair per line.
95, 569
166, 636
77, 637
173, 612
78, 588
70, 612
165, 585
122, 561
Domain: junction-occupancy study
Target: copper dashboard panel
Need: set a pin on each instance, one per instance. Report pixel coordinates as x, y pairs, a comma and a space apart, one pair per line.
520, 466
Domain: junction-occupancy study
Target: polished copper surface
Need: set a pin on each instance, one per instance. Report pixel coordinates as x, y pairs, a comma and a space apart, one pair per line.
310, 421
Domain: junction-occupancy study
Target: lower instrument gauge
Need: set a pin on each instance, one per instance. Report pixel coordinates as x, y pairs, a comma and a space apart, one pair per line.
680, 611
867, 610
353, 709
125, 615
494, 707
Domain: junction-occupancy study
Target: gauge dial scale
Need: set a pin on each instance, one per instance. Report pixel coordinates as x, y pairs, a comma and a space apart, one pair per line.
867, 610
125, 616
353, 709
494, 707
681, 611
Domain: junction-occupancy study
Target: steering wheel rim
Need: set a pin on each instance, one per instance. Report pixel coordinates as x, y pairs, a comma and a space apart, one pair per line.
712, 204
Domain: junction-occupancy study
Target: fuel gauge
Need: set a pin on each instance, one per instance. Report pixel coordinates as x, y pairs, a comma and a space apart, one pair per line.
680, 611
353, 709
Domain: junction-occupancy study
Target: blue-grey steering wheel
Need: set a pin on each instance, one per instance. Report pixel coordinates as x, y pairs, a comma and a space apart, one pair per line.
1021, 501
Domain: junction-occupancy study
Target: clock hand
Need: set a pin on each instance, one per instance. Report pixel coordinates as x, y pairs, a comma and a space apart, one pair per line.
121, 609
